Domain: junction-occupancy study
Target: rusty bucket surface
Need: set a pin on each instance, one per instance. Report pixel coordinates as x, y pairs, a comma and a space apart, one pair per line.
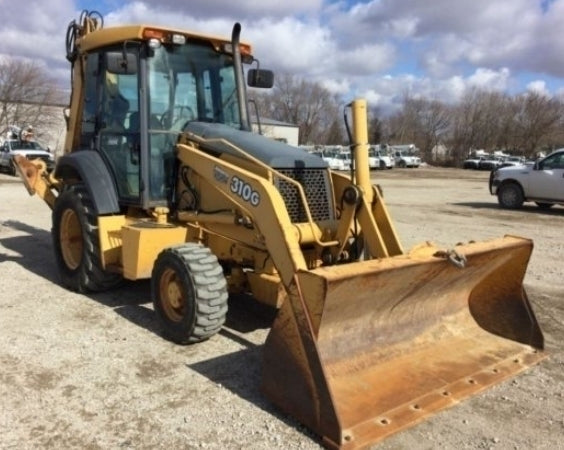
363, 350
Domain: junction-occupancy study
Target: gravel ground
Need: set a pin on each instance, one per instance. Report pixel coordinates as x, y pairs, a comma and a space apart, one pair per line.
93, 372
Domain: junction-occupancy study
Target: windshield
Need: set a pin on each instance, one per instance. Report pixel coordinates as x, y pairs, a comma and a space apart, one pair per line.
26, 145
191, 82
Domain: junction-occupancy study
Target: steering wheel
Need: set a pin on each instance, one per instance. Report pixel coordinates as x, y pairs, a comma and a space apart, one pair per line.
180, 115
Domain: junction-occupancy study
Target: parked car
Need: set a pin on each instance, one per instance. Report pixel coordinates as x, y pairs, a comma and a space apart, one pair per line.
490, 163
541, 182
377, 159
402, 159
513, 161
472, 162
29, 149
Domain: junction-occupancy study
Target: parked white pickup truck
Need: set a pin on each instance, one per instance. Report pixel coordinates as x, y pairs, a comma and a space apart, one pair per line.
541, 182
29, 149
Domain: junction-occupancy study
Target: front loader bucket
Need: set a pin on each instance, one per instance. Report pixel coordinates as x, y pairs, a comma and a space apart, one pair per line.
363, 350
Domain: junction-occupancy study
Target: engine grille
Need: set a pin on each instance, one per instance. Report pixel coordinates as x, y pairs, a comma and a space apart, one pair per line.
315, 183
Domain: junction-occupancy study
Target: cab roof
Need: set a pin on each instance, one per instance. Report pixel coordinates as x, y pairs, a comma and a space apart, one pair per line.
116, 35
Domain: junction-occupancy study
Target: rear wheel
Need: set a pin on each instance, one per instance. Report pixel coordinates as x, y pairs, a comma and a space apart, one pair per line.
510, 196
189, 293
76, 242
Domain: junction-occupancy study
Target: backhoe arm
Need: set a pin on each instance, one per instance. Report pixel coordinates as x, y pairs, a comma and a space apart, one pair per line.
36, 178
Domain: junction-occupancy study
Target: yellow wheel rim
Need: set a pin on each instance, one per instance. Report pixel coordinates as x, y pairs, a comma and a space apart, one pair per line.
70, 235
172, 295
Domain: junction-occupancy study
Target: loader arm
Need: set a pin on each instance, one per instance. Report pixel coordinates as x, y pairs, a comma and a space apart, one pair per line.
265, 206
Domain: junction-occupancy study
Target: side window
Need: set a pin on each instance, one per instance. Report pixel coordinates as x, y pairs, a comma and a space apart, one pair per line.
559, 163
186, 106
553, 162
208, 106
229, 98
120, 100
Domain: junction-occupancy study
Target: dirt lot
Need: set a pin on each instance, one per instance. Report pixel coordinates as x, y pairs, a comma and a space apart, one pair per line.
92, 372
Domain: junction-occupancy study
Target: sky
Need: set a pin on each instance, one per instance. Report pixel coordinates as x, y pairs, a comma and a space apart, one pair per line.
381, 50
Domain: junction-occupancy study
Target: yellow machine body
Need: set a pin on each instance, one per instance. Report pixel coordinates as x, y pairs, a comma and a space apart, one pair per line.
362, 346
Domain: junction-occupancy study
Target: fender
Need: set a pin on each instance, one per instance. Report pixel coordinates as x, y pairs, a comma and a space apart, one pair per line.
91, 169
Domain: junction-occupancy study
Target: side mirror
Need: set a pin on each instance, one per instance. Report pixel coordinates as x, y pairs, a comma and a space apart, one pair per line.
260, 78
121, 63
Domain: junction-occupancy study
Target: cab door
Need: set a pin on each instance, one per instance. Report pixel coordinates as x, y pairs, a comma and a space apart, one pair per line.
110, 104
118, 119
547, 179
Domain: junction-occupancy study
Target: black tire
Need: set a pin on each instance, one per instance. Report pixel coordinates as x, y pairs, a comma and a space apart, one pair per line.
543, 205
12, 168
189, 293
382, 165
402, 164
76, 243
510, 196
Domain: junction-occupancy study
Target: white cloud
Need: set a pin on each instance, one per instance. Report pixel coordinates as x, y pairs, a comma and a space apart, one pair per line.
33, 31
339, 87
388, 92
242, 9
366, 60
293, 46
538, 86
490, 79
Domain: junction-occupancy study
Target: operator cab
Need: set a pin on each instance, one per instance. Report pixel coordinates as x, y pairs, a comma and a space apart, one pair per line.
141, 94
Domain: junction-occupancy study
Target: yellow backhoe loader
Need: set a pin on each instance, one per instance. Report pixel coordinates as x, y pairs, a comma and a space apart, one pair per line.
162, 178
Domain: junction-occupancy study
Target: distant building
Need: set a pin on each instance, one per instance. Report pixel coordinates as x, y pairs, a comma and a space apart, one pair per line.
49, 131
274, 129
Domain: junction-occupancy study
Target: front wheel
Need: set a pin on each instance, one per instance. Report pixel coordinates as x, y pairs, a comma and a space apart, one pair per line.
510, 196
189, 293
76, 242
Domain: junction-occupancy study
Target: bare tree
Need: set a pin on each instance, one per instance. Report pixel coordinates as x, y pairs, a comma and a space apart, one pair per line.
27, 95
309, 105
375, 127
537, 117
481, 120
422, 122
